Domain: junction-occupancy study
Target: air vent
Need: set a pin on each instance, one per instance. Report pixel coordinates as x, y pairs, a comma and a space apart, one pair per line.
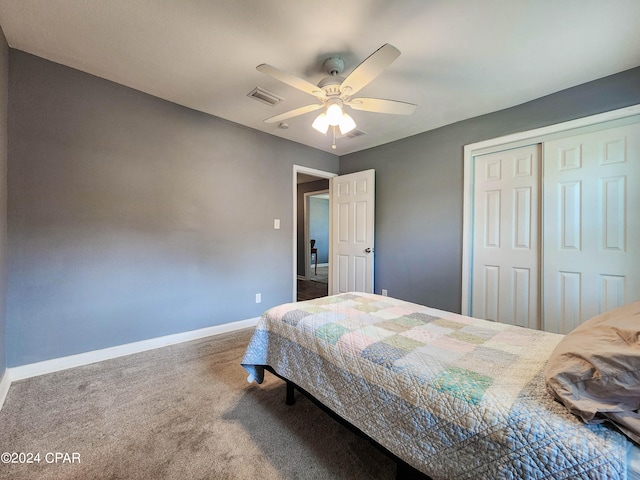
354, 133
264, 96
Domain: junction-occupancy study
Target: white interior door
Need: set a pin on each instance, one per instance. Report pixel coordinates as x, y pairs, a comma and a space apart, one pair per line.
592, 225
352, 230
505, 265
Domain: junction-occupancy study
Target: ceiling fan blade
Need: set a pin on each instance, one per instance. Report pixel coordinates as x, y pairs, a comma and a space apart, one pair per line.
369, 69
291, 80
380, 105
294, 113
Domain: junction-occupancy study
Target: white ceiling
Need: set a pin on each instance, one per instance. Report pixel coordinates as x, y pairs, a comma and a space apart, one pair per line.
460, 58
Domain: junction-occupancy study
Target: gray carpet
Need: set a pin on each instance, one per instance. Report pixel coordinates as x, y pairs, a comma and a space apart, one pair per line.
179, 412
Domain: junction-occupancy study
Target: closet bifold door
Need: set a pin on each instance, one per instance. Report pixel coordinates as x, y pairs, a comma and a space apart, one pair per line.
591, 233
506, 252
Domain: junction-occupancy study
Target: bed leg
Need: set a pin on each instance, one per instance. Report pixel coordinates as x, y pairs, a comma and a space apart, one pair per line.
290, 393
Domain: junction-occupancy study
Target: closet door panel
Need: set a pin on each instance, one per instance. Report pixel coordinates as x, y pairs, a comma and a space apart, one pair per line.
591, 246
505, 264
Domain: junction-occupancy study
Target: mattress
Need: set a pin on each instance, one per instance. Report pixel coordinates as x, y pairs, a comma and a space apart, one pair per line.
451, 395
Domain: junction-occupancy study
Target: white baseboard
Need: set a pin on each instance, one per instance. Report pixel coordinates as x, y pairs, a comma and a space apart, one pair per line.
5, 383
71, 361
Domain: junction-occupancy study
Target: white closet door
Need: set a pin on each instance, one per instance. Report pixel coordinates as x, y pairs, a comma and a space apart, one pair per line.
591, 225
505, 265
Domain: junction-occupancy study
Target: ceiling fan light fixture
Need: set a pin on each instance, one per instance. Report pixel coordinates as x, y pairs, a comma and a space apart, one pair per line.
334, 113
321, 123
346, 124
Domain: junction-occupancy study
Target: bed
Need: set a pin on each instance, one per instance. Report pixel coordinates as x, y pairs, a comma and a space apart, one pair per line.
452, 396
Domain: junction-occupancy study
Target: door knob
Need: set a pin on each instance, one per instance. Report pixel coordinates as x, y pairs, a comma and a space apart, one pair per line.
368, 250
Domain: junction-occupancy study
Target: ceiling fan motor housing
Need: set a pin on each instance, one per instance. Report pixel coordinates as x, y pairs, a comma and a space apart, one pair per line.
331, 84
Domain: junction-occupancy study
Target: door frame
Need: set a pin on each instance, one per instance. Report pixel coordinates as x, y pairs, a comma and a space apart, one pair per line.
538, 135
294, 233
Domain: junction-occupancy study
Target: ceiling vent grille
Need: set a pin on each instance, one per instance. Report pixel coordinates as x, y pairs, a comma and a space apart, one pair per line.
264, 96
354, 133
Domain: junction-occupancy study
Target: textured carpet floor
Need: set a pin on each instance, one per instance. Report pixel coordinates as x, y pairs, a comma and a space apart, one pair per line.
179, 412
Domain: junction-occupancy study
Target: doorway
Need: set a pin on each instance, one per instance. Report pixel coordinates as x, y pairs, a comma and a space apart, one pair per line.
309, 184
316, 235
313, 279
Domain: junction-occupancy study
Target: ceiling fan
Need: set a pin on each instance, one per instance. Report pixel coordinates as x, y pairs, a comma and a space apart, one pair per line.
335, 92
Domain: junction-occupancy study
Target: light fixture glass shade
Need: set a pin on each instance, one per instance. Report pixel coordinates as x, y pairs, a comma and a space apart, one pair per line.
321, 123
346, 124
334, 114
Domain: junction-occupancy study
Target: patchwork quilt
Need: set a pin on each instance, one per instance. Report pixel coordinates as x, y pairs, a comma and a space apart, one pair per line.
453, 396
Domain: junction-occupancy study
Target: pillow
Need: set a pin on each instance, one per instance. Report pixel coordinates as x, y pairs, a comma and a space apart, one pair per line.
595, 370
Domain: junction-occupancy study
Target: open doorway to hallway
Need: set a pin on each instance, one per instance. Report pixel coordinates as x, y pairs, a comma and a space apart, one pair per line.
312, 228
315, 282
311, 223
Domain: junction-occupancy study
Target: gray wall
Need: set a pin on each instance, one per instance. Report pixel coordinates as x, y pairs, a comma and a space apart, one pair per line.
130, 217
419, 187
4, 94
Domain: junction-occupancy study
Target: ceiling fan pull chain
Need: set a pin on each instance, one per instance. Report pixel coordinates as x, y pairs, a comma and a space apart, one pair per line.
333, 127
